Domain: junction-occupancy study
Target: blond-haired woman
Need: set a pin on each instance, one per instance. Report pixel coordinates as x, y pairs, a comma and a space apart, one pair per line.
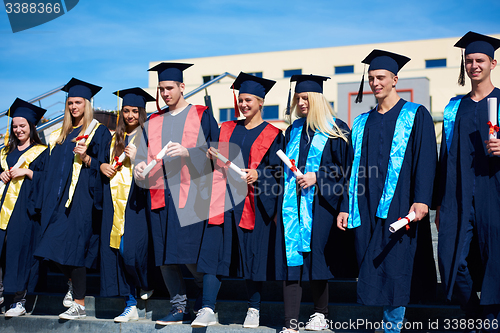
69, 213
317, 144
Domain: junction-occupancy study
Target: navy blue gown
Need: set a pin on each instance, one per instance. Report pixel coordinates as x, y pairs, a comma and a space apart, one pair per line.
332, 250
20, 238
469, 177
126, 267
177, 232
386, 261
70, 236
230, 250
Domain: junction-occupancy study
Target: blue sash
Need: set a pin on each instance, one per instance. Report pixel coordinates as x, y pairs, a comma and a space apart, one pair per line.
298, 235
402, 132
450, 113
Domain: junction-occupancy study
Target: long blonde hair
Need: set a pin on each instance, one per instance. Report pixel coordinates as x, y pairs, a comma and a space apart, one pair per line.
67, 125
317, 118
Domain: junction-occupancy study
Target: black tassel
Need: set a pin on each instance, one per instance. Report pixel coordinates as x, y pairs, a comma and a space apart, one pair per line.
359, 98
461, 78
289, 98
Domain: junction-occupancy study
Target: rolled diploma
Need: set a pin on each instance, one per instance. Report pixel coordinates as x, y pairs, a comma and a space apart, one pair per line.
152, 164
122, 156
288, 163
401, 223
493, 114
19, 162
232, 165
89, 129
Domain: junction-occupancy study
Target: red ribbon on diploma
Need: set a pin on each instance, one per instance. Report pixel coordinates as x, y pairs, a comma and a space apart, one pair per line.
118, 164
227, 164
408, 225
78, 138
293, 168
493, 129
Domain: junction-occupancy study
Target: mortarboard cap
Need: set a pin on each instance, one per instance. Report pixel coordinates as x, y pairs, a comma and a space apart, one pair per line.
79, 88
379, 59
250, 84
170, 71
134, 97
28, 111
308, 83
476, 43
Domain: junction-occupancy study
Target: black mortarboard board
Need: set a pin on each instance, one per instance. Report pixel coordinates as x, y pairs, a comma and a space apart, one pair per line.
134, 97
28, 111
476, 43
305, 83
250, 84
79, 88
170, 71
380, 59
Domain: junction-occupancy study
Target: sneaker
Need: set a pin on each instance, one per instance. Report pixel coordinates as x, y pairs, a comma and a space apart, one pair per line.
129, 314
252, 318
317, 322
74, 312
16, 310
68, 298
205, 317
176, 316
287, 330
146, 294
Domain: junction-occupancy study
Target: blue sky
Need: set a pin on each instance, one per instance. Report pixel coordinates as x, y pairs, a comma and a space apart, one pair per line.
110, 43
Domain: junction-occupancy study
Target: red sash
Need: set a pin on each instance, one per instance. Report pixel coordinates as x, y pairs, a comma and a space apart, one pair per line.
189, 140
259, 148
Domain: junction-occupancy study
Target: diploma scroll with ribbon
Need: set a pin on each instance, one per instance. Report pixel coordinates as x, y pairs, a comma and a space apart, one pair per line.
19, 162
152, 164
231, 165
90, 128
289, 163
119, 159
493, 117
401, 222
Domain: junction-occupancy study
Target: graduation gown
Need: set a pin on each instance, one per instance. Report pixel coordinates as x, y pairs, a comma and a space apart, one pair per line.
22, 234
177, 232
386, 261
70, 236
127, 266
332, 251
470, 176
228, 249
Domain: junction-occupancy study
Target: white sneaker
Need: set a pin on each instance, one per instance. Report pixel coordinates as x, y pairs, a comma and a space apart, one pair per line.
129, 314
287, 330
16, 310
146, 294
205, 317
68, 298
317, 322
74, 312
252, 318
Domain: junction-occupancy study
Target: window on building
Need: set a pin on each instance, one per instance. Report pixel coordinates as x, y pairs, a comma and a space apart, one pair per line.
209, 78
290, 72
226, 114
432, 63
258, 74
271, 112
344, 69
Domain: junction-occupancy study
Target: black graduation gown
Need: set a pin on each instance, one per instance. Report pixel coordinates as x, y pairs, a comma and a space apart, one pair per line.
22, 234
127, 266
230, 250
176, 233
332, 251
386, 261
70, 236
470, 175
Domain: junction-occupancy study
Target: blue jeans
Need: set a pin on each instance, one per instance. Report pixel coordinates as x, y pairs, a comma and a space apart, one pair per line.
393, 318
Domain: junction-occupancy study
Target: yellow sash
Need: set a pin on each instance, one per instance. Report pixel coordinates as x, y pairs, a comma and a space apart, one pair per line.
15, 184
120, 188
77, 162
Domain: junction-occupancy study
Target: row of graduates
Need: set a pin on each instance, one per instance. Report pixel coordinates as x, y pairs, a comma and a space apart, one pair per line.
219, 228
